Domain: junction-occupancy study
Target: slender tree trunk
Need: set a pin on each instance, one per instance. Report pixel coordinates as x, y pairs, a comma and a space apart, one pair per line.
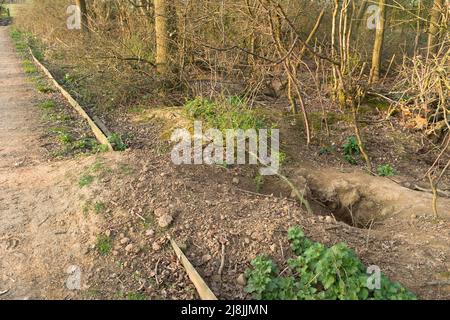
378, 45
418, 28
433, 35
162, 39
360, 15
84, 15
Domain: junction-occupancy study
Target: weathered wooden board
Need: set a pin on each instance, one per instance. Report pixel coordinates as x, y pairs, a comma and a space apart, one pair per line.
203, 290
99, 134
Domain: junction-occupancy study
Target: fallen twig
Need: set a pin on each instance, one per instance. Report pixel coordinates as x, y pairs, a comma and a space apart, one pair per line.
222, 260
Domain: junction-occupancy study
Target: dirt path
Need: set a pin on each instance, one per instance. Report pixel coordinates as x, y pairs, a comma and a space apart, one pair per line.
40, 234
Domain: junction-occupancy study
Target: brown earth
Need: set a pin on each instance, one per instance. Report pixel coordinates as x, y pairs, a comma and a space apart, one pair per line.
42, 232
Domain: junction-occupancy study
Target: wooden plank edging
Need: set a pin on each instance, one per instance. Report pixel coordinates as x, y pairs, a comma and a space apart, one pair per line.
99, 134
203, 290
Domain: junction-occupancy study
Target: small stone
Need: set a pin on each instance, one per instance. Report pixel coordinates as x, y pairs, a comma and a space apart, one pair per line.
241, 280
108, 233
206, 258
129, 247
124, 241
165, 220
156, 247
236, 180
329, 219
273, 248
256, 236
150, 233
161, 212
246, 240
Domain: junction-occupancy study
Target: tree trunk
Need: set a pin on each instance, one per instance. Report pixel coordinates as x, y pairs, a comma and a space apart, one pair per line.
378, 45
84, 16
162, 39
433, 35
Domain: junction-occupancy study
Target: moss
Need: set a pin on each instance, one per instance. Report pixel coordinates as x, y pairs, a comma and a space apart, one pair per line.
374, 103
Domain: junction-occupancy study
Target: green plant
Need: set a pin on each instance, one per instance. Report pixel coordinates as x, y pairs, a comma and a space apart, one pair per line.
281, 157
44, 88
85, 180
104, 244
235, 101
48, 104
386, 170
100, 148
351, 149
137, 296
65, 138
89, 145
99, 207
29, 67
317, 272
259, 182
68, 78
117, 142
229, 114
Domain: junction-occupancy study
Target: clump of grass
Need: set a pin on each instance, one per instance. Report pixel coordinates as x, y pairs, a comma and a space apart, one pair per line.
351, 149
117, 142
89, 144
98, 166
29, 67
18, 39
15, 34
259, 182
99, 207
86, 180
44, 88
386, 170
65, 138
104, 244
231, 113
48, 104
137, 296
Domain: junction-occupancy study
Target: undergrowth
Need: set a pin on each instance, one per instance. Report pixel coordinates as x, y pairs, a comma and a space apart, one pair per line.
317, 273
231, 113
351, 150
386, 170
104, 244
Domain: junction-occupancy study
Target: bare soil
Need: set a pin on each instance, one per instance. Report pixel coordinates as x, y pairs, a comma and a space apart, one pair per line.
41, 230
